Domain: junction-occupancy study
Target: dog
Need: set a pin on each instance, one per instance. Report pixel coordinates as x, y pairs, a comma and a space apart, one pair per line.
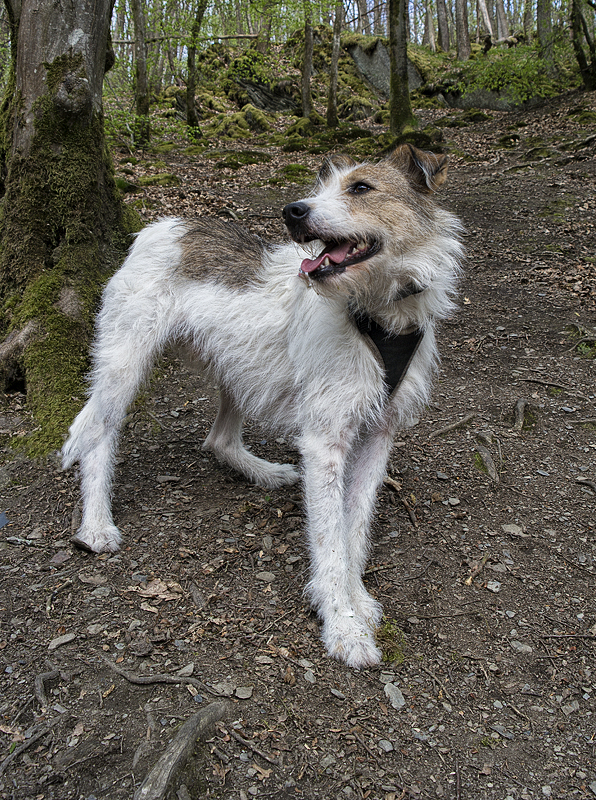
329, 338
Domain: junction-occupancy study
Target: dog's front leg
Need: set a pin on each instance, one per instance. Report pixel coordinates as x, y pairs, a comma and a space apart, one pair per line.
335, 588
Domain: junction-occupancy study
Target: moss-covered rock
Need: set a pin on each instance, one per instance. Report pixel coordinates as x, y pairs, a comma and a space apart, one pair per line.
161, 179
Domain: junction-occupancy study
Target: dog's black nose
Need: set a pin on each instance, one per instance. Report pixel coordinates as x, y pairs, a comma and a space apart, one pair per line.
295, 212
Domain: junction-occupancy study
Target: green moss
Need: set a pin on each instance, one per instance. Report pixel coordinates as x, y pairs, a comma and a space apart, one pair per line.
63, 230
293, 173
392, 641
161, 179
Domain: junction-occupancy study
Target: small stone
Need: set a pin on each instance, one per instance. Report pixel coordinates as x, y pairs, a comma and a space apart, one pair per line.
186, 671
327, 761
394, 695
493, 586
513, 529
521, 647
338, 694
385, 745
442, 477
570, 708
60, 640
454, 501
59, 558
268, 577
310, 676
244, 692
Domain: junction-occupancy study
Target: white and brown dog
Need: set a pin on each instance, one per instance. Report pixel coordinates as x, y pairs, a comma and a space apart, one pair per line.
330, 338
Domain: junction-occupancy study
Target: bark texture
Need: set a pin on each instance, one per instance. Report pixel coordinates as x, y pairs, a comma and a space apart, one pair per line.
62, 223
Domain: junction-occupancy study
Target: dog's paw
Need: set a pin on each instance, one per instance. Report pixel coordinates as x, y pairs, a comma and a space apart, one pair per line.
104, 539
272, 475
350, 641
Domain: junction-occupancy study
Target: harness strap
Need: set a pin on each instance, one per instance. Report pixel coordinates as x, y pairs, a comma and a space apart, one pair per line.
396, 350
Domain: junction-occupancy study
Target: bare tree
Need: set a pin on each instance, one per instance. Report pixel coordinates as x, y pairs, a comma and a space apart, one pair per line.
307, 64
332, 118
142, 123
63, 224
192, 119
443, 26
461, 30
400, 108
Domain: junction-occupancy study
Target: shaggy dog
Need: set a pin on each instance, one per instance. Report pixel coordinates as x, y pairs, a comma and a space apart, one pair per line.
329, 338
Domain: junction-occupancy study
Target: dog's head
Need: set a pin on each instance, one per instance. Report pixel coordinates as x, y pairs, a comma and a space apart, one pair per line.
366, 216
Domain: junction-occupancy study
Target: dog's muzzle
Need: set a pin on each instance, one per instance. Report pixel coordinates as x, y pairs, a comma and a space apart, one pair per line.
295, 216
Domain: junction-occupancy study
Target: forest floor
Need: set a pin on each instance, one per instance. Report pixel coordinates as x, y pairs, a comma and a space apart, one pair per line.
488, 583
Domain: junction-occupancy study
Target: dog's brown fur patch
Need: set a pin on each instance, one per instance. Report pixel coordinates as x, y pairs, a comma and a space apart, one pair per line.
221, 252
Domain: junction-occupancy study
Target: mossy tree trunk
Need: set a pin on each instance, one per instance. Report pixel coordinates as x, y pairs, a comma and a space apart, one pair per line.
142, 122
308, 60
63, 226
401, 116
192, 118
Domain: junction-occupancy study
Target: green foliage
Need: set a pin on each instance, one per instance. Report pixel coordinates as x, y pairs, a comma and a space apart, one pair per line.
517, 72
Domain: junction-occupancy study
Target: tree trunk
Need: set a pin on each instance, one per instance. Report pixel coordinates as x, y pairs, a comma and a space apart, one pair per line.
429, 29
142, 127
192, 119
307, 65
332, 118
461, 30
443, 26
502, 23
400, 108
363, 20
579, 33
63, 226
544, 28
486, 18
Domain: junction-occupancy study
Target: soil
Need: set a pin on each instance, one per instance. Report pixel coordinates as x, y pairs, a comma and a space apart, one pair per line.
484, 548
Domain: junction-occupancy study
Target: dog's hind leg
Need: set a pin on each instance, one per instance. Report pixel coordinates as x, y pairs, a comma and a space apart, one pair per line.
225, 441
127, 344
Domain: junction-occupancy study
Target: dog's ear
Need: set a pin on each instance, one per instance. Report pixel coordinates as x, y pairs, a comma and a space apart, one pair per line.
334, 161
426, 171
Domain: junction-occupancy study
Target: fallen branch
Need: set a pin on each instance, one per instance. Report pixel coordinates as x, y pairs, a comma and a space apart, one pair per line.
39, 686
453, 426
158, 784
246, 743
397, 488
147, 680
519, 414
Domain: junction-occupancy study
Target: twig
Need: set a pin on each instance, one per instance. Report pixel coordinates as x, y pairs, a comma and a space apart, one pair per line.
246, 743
26, 745
546, 383
438, 682
397, 488
586, 482
477, 569
453, 426
147, 680
589, 636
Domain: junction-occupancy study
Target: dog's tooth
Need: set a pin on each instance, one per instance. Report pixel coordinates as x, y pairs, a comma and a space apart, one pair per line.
326, 262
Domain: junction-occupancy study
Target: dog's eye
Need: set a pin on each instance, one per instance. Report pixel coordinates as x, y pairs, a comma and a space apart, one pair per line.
359, 188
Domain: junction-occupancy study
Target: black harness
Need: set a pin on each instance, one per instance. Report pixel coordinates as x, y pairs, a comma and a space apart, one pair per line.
395, 350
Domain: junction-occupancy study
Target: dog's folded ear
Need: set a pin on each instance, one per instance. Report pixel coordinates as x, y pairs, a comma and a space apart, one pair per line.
426, 171
333, 162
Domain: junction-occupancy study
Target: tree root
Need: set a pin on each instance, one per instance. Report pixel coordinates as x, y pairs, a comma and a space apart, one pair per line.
158, 783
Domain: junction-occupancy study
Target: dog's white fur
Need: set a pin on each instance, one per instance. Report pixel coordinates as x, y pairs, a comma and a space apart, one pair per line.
293, 358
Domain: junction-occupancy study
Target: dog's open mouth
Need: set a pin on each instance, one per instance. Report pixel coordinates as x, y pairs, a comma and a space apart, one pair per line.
337, 256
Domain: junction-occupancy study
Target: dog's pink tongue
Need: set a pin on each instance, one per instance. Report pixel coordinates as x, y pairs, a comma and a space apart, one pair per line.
335, 252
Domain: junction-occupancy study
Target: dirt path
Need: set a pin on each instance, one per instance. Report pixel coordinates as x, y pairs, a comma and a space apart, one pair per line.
488, 583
